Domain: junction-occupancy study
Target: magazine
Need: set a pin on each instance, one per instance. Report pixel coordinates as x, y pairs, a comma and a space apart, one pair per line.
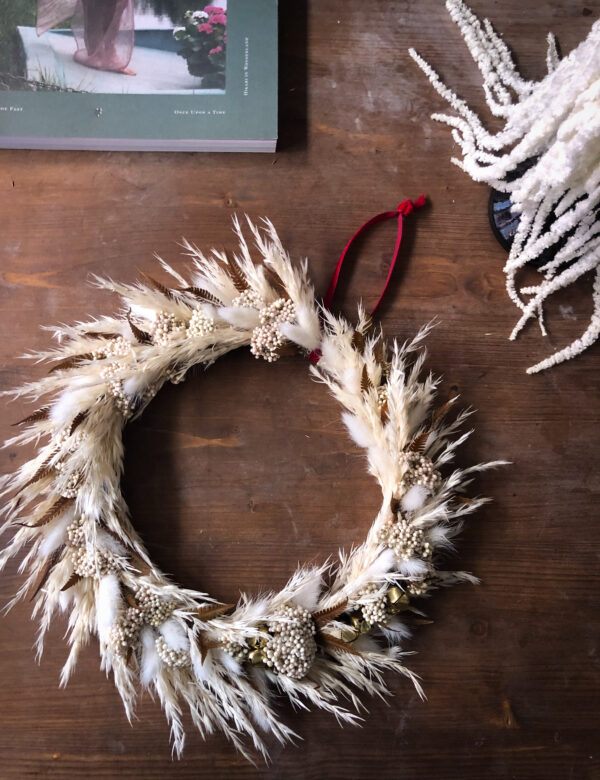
159, 75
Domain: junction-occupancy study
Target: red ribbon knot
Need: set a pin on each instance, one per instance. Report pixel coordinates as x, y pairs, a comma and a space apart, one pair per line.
407, 206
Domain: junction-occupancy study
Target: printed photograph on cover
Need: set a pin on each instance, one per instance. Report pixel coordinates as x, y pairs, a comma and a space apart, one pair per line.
113, 46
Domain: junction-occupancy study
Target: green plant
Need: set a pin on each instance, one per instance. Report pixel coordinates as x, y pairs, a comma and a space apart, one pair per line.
203, 39
12, 58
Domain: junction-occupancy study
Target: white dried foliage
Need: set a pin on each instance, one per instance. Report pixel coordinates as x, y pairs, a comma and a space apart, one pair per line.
194, 653
552, 130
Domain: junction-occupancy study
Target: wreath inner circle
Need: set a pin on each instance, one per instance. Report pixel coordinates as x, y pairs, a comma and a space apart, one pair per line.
334, 629
242, 471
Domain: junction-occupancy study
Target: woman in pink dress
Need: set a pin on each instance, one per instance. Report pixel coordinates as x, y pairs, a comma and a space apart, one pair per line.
103, 30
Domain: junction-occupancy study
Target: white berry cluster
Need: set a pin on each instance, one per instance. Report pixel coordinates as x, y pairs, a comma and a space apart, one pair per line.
73, 440
153, 608
200, 324
236, 650
419, 587
124, 633
111, 373
374, 610
267, 337
89, 562
148, 393
418, 470
382, 397
165, 328
405, 539
170, 657
70, 488
150, 609
118, 347
76, 533
94, 562
292, 647
111, 370
122, 401
69, 482
248, 300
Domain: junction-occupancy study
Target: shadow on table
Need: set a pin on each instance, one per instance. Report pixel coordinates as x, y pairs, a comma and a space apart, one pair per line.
293, 69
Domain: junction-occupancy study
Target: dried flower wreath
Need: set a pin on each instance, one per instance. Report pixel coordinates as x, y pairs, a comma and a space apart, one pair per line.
321, 639
546, 158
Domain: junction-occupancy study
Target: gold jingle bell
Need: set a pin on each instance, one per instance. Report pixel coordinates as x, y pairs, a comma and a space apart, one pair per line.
360, 625
398, 600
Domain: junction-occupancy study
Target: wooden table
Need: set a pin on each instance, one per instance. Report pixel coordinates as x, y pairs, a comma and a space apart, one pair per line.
239, 473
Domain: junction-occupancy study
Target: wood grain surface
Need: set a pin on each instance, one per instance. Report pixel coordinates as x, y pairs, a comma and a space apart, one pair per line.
241, 472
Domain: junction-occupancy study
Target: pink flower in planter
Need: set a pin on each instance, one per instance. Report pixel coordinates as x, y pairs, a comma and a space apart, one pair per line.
214, 9
216, 50
218, 19
205, 27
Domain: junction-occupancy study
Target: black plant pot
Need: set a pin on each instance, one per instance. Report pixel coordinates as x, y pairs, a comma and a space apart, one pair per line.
199, 69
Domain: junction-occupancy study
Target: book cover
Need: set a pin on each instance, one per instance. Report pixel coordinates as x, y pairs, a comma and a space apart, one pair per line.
138, 74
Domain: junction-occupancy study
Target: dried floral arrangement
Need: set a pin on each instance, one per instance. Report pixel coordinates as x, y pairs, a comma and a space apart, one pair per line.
546, 158
328, 637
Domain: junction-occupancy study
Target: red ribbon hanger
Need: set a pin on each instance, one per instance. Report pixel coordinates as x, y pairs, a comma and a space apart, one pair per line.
403, 210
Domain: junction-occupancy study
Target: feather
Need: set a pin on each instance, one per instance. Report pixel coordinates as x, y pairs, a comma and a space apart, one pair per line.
138, 563
174, 634
111, 541
240, 316
442, 411
230, 664
413, 567
44, 471
108, 604
55, 535
71, 362
94, 334
129, 597
55, 510
203, 295
47, 570
324, 616
237, 277
141, 336
359, 430
78, 419
158, 286
275, 281
358, 342
305, 338
73, 580
414, 498
150, 660
203, 645
209, 611
203, 671
365, 380
419, 443
384, 414
70, 402
333, 643
37, 416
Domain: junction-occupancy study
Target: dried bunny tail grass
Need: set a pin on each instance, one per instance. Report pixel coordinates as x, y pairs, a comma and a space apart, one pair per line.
328, 638
546, 158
